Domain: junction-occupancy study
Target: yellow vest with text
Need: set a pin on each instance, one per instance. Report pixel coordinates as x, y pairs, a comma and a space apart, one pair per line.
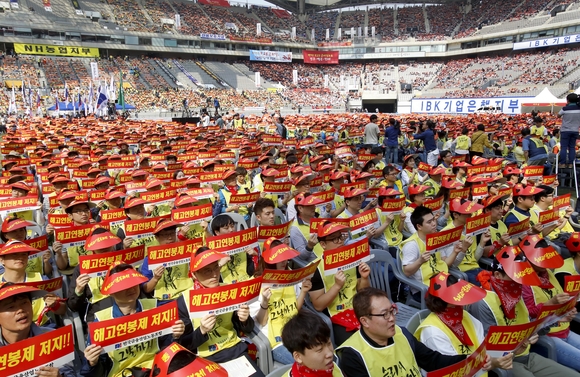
227, 195
497, 233
281, 307
435, 264
542, 295
305, 230
462, 142
35, 265
398, 355
521, 217
522, 315
221, 337
392, 233
140, 355
95, 285
461, 349
568, 268
343, 300
469, 262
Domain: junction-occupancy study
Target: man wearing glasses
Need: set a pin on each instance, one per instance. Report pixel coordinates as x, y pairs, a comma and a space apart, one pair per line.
381, 347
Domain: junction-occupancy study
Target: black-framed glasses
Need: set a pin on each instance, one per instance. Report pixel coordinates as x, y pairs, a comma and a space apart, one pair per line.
339, 239
386, 315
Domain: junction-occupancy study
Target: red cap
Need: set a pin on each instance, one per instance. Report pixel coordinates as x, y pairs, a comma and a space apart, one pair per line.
520, 190
65, 194
227, 174
338, 174
465, 207
15, 247
488, 201
113, 193
352, 192
133, 202
476, 160
450, 183
100, 241
184, 199
388, 191
437, 170
509, 170
11, 224
330, 228
278, 253
540, 253
9, 289
513, 261
302, 200
302, 180
461, 293
153, 183
102, 179
198, 367
164, 224
417, 189
20, 186
205, 258
270, 172
121, 280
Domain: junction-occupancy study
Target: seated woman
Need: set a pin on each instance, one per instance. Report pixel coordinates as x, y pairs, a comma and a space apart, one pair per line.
307, 337
222, 329
449, 329
276, 305
126, 301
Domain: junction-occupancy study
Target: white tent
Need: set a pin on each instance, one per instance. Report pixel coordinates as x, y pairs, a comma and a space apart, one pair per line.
545, 101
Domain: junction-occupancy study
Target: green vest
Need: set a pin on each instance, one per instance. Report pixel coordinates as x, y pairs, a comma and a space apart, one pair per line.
431, 268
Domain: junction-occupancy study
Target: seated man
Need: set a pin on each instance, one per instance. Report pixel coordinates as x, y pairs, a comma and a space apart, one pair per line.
381, 344
307, 338
16, 322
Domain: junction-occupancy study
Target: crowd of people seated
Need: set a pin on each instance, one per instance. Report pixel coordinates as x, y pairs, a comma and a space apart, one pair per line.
279, 235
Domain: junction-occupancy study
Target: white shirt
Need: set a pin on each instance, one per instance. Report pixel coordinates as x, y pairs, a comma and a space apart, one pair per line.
411, 253
437, 340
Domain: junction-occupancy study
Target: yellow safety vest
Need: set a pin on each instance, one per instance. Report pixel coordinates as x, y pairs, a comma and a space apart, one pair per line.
469, 262
568, 268
227, 195
140, 355
73, 254
431, 268
281, 307
521, 217
542, 295
448, 170
392, 234
274, 197
343, 300
305, 230
460, 348
221, 337
399, 355
336, 372
95, 285
37, 304
497, 233
522, 315
462, 142
239, 124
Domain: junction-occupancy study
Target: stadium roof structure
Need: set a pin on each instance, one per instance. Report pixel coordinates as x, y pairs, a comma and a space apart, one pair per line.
309, 6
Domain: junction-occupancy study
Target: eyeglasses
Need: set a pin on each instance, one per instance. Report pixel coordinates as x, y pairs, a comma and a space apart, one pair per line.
338, 239
386, 315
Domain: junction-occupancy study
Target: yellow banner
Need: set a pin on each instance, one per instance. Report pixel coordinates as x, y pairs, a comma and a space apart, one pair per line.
83, 52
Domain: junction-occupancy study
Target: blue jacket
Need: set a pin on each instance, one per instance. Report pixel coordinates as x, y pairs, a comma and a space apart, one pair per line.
392, 136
